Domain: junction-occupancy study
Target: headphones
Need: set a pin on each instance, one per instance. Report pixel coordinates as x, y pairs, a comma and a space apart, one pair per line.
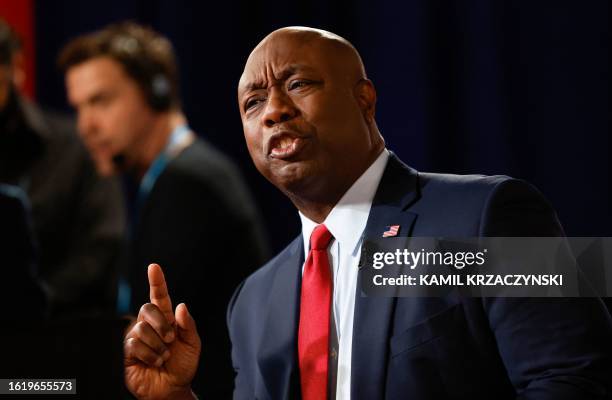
157, 89
159, 97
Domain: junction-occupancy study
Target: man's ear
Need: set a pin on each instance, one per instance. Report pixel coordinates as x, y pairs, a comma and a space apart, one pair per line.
365, 93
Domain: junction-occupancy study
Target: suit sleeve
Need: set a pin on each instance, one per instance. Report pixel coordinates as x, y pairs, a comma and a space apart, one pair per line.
240, 390
552, 348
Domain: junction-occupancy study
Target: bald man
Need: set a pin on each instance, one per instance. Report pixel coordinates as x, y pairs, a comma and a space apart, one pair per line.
298, 327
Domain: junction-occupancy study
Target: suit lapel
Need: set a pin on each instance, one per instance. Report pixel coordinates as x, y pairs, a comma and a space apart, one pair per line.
397, 190
277, 352
277, 356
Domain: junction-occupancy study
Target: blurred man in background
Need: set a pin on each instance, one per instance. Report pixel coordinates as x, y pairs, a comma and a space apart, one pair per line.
189, 208
77, 216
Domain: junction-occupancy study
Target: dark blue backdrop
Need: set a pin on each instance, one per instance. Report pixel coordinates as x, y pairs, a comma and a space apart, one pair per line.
495, 87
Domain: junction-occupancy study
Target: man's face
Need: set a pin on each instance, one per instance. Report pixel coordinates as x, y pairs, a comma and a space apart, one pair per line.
303, 125
113, 116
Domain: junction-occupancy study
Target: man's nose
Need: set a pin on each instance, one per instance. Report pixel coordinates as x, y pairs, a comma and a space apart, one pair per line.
280, 108
85, 123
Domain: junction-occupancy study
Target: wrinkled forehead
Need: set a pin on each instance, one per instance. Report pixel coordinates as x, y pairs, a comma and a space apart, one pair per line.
280, 55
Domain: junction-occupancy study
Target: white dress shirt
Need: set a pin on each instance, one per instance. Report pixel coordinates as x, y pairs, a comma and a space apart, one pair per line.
346, 222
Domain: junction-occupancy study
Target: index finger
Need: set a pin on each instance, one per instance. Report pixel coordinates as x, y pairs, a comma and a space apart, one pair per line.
158, 292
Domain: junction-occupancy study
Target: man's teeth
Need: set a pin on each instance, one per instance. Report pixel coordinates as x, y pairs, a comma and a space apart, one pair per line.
285, 143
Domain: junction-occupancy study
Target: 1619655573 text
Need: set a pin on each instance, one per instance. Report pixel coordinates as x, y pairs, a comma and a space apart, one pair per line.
36, 385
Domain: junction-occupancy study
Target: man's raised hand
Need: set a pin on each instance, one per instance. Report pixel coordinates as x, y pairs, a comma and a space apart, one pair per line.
161, 350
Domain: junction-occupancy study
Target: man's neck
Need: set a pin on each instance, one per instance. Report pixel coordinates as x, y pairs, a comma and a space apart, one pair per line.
317, 208
156, 141
315, 211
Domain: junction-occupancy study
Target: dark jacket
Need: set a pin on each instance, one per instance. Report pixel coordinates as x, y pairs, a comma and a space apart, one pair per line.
200, 224
438, 347
22, 293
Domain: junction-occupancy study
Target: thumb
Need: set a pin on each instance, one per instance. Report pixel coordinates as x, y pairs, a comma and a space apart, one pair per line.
187, 331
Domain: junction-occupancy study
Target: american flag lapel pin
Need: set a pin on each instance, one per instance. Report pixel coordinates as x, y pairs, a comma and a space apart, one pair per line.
392, 231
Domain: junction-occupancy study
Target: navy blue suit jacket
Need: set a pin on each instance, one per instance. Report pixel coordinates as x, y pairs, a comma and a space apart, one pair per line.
433, 348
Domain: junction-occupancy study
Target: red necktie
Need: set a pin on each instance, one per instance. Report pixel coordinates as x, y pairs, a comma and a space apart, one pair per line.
315, 306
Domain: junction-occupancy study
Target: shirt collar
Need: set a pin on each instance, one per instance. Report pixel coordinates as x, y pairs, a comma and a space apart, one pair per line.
348, 218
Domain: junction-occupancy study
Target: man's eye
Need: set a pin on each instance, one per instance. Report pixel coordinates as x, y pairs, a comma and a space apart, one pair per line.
252, 103
101, 100
298, 84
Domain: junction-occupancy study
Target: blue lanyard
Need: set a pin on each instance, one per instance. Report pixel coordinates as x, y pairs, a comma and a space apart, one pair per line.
178, 135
